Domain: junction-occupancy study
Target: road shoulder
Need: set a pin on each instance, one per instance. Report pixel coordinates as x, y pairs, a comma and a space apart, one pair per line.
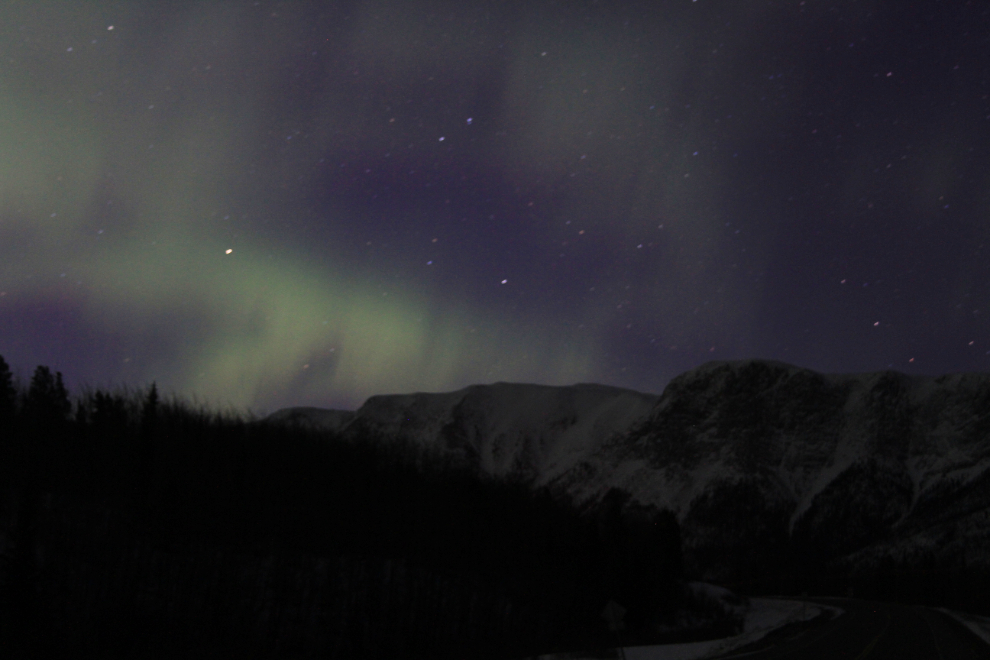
979, 625
765, 616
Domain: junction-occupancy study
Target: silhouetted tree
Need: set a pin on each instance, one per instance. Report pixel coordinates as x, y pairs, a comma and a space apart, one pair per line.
22, 631
81, 420
147, 443
149, 412
46, 405
149, 418
8, 394
642, 562
8, 405
109, 417
612, 535
666, 549
669, 534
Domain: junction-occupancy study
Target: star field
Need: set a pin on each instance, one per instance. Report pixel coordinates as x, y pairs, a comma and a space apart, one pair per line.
298, 203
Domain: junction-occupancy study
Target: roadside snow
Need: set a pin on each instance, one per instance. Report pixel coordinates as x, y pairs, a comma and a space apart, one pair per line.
980, 625
764, 616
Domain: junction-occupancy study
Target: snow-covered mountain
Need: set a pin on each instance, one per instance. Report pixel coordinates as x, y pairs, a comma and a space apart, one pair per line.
538, 431
755, 457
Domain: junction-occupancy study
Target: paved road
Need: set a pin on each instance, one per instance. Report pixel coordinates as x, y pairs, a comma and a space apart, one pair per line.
874, 631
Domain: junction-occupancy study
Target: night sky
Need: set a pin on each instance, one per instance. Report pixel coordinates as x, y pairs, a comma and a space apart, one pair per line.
264, 204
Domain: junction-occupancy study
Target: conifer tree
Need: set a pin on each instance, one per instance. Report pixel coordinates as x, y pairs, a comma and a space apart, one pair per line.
149, 423
612, 535
20, 598
149, 412
109, 419
665, 560
47, 399
8, 395
81, 419
669, 533
8, 404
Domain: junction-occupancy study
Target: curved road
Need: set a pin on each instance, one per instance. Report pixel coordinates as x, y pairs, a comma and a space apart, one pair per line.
872, 631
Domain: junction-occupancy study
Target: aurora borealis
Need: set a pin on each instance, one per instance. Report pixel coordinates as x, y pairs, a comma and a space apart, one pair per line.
267, 204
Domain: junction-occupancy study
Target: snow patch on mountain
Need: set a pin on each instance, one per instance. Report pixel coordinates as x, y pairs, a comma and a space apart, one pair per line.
537, 430
744, 452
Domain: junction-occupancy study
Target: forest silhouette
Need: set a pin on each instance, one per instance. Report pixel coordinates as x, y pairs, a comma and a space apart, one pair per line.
136, 525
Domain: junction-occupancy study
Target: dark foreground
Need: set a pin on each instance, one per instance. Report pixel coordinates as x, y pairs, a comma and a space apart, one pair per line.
872, 631
867, 631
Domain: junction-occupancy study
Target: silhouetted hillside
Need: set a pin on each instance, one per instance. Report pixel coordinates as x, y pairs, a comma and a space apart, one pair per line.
133, 523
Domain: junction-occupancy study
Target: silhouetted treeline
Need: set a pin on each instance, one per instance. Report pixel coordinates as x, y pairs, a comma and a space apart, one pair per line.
133, 523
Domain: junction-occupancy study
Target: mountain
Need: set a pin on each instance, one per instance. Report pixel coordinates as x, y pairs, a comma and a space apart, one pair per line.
761, 461
531, 430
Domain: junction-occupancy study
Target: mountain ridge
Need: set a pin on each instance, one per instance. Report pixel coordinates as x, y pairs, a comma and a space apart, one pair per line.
758, 459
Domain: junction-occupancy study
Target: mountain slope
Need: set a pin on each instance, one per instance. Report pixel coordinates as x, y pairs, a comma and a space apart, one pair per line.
758, 459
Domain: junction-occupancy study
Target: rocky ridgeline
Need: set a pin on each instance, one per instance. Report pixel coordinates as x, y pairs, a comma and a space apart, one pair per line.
764, 463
